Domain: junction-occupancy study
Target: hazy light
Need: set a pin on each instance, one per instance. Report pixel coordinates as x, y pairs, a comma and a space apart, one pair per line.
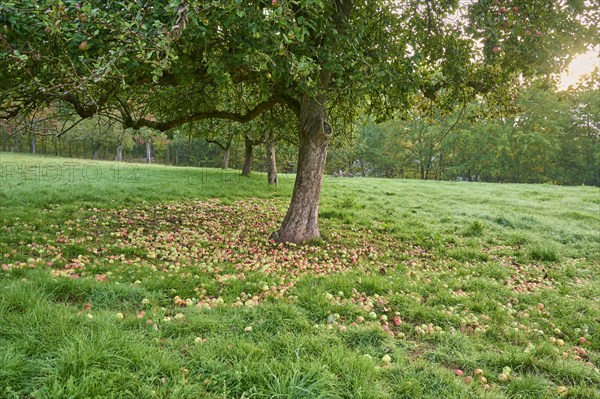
581, 65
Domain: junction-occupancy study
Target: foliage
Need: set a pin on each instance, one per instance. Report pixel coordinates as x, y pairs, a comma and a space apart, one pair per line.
551, 137
186, 61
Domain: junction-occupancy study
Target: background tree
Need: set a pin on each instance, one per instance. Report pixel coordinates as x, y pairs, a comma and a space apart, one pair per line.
219, 133
580, 153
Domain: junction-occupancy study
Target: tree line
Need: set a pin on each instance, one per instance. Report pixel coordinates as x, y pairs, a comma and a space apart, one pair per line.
552, 137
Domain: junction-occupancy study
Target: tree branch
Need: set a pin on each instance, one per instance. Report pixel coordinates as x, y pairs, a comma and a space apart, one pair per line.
198, 116
83, 110
217, 143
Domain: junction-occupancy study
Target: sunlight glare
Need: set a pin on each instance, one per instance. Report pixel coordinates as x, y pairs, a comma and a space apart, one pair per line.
581, 65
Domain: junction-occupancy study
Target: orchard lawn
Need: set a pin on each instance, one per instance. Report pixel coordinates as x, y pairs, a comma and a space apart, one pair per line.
144, 281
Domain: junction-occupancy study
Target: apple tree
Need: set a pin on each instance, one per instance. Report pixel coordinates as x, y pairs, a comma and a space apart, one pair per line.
184, 61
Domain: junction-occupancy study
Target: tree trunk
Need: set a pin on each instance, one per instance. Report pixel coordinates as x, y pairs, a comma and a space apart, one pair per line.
225, 147
272, 177
95, 150
148, 151
226, 154
119, 156
18, 142
169, 154
33, 143
301, 221
248, 156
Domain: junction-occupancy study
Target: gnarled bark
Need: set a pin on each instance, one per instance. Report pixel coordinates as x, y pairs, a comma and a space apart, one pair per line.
301, 221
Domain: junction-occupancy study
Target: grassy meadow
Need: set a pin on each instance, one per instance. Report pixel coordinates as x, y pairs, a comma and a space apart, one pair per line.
148, 281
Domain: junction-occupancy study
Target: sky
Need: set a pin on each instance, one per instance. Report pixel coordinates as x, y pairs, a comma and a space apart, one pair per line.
581, 65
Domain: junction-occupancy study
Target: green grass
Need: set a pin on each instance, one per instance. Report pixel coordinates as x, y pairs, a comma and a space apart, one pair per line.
475, 276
